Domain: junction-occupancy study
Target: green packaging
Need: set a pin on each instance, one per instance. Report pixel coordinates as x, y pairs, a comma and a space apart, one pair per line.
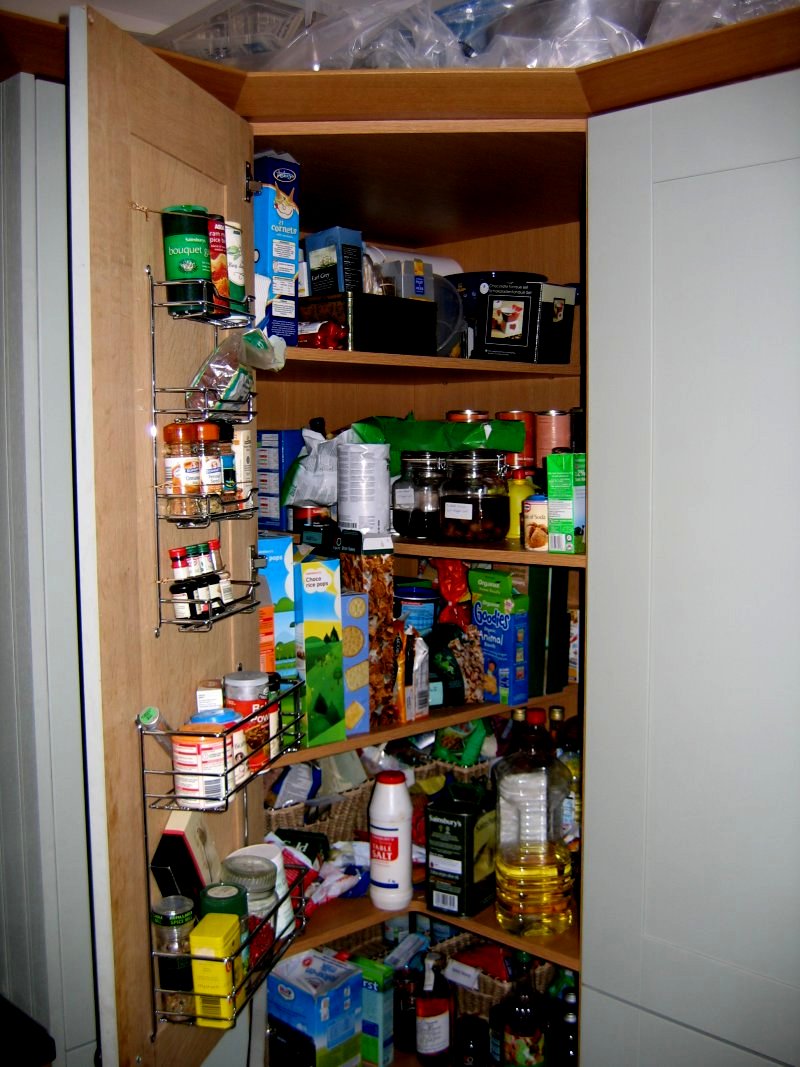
377, 1012
566, 502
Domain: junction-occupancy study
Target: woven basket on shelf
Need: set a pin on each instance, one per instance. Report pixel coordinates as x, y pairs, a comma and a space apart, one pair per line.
339, 821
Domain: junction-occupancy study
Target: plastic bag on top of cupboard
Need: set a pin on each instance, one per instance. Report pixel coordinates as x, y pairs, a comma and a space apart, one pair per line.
394, 33
225, 379
437, 435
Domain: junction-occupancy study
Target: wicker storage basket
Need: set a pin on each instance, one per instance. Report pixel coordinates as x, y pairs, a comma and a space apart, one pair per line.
338, 822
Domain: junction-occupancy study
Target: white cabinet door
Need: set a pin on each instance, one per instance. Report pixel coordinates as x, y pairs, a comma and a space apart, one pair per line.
692, 842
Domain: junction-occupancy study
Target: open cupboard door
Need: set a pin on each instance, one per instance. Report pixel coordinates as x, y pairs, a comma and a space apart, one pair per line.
142, 137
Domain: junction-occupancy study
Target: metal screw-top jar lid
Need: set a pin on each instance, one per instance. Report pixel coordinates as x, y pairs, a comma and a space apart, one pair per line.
248, 685
255, 874
172, 911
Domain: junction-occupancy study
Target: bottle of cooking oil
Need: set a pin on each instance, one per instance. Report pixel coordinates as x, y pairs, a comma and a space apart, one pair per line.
533, 865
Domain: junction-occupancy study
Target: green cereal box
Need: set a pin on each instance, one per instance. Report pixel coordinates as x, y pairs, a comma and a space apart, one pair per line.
318, 637
377, 1012
566, 502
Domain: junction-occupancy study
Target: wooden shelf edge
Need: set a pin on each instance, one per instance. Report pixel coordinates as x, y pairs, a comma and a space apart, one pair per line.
437, 364
344, 917
434, 721
505, 553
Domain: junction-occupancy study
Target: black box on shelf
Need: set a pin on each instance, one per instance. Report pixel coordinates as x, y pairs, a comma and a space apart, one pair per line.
377, 323
185, 859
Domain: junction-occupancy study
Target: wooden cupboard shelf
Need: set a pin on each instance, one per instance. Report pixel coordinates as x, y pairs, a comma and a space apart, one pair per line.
441, 366
437, 719
507, 552
343, 917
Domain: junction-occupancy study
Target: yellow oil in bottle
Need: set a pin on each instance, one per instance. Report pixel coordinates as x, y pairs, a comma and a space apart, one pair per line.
534, 888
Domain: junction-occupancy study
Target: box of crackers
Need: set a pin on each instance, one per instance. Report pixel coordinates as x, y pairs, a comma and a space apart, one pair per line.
355, 662
367, 567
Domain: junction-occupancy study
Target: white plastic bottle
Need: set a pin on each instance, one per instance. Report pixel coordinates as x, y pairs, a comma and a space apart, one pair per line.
390, 842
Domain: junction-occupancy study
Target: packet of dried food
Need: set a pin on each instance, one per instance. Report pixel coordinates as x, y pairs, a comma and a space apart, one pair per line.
454, 591
461, 743
456, 661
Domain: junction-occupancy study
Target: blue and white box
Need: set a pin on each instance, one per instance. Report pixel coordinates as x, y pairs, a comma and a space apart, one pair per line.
276, 451
276, 224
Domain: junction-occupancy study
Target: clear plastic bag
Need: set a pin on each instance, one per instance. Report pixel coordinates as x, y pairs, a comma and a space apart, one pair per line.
562, 33
679, 18
225, 379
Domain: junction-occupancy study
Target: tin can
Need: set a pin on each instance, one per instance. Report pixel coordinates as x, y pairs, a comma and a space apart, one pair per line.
534, 523
467, 415
236, 276
553, 430
186, 256
526, 458
248, 692
218, 251
363, 489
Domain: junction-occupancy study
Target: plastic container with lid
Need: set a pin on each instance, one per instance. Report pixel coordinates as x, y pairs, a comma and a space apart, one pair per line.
228, 899
473, 499
208, 452
181, 470
247, 692
390, 813
257, 876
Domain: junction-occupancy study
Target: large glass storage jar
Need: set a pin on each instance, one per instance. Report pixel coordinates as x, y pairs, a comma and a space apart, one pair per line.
473, 499
415, 495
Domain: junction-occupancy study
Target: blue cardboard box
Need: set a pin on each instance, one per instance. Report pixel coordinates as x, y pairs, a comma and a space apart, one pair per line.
314, 1004
276, 226
355, 661
334, 257
276, 451
277, 552
501, 616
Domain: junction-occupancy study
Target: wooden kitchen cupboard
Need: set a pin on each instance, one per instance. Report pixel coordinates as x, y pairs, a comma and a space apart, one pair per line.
487, 167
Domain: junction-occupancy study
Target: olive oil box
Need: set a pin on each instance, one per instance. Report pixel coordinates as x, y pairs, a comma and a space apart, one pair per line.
314, 1007
460, 835
501, 616
318, 638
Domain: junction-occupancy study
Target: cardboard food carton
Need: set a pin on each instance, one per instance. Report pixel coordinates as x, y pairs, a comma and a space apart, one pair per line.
566, 502
318, 638
185, 859
501, 616
216, 971
377, 1012
314, 1003
277, 573
355, 660
276, 225
334, 261
276, 451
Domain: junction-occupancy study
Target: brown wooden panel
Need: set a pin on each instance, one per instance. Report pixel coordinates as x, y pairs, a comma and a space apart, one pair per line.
154, 139
33, 46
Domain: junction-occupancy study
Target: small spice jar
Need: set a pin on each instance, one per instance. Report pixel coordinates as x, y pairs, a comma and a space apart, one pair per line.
172, 918
181, 470
474, 498
256, 875
208, 452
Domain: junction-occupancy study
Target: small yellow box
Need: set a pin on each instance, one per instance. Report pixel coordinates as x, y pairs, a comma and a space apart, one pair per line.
217, 936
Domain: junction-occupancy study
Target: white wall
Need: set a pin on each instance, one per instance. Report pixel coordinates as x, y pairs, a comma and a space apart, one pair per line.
45, 936
692, 843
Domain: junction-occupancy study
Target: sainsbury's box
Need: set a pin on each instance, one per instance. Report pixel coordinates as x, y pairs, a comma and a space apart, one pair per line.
276, 451
276, 225
314, 1003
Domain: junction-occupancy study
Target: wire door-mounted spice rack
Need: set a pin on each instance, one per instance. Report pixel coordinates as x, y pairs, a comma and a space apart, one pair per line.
267, 939
199, 303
